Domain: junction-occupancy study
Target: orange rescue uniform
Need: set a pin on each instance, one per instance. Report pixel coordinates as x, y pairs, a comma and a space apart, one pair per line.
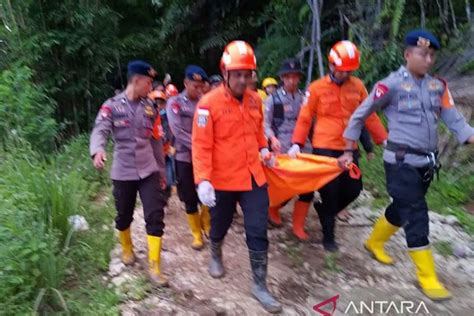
332, 106
226, 139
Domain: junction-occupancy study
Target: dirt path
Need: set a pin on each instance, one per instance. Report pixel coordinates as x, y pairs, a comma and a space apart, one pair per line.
299, 274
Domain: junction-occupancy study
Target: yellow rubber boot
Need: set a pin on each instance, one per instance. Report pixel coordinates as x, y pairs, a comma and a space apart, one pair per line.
426, 273
125, 237
154, 257
194, 221
274, 216
381, 233
300, 212
205, 220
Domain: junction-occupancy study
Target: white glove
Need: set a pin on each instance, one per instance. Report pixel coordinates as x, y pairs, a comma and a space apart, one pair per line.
267, 157
206, 194
294, 150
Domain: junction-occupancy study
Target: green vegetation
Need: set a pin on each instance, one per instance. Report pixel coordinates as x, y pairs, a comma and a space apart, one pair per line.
59, 60
46, 266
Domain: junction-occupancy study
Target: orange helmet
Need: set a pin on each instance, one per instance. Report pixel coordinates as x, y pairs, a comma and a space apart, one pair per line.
155, 95
221, 65
239, 55
345, 56
171, 90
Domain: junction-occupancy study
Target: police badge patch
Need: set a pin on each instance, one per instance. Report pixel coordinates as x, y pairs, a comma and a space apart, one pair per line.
203, 116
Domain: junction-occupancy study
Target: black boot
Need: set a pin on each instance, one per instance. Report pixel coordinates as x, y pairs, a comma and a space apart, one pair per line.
258, 262
328, 226
216, 267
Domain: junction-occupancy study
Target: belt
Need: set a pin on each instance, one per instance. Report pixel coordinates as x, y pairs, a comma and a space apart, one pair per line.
401, 150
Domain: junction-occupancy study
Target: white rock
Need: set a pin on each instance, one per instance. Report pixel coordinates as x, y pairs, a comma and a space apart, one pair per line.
451, 220
116, 266
78, 223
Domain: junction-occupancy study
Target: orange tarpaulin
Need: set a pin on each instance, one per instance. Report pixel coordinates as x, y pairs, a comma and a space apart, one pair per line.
306, 173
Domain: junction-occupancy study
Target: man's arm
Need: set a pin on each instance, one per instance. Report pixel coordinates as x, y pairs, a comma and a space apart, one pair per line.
173, 113
455, 120
202, 143
305, 117
100, 135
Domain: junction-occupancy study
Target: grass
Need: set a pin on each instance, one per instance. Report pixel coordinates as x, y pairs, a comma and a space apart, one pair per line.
47, 268
444, 248
448, 195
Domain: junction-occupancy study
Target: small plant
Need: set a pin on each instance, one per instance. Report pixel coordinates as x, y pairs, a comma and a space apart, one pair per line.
330, 262
444, 248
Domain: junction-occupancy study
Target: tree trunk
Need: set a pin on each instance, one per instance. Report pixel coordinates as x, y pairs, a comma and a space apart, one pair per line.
453, 17
468, 11
422, 13
316, 6
318, 36
312, 42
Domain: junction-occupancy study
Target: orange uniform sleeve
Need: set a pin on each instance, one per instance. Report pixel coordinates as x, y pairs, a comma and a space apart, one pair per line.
373, 123
305, 117
202, 143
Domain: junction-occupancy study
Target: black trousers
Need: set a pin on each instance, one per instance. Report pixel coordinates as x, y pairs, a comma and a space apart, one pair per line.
186, 187
336, 195
254, 205
407, 187
153, 200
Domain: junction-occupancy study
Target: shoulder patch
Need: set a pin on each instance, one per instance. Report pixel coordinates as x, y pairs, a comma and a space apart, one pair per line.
380, 91
203, 116
105, 111
175, 107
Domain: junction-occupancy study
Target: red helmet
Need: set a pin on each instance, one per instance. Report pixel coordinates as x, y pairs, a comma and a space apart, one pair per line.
155, 95
345, 56
239, 55
171, 90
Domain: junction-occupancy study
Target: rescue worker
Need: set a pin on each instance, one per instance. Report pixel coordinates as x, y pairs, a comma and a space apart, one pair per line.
180, 113
215, 81
158, 86
227, 139
331, 100
269, 85
138, 163
281, 111
171, 90
413, 102
253, 85
161, 130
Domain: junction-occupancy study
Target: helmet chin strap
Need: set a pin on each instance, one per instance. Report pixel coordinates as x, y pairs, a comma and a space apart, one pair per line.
334, 79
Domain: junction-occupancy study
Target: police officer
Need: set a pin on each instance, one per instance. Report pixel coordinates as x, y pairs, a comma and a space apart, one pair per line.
227, 138
331, 100
413, 102
281, 111
138, 163
180, 113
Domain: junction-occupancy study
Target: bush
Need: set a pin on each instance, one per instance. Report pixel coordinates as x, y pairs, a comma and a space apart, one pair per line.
39, 251
25, 110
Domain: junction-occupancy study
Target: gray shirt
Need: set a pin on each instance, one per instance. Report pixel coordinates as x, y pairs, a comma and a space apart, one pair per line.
136, 154
413, 111
180, 112
283, 127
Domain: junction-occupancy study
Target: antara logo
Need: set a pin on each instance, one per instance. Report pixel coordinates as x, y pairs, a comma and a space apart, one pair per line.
373, 307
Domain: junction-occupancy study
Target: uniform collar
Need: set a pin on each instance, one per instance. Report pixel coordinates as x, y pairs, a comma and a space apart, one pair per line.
405, 73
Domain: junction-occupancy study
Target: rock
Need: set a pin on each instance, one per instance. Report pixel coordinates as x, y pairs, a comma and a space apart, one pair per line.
460, 250
451, 220
306, 266
121, 279
116, 266
78, 223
